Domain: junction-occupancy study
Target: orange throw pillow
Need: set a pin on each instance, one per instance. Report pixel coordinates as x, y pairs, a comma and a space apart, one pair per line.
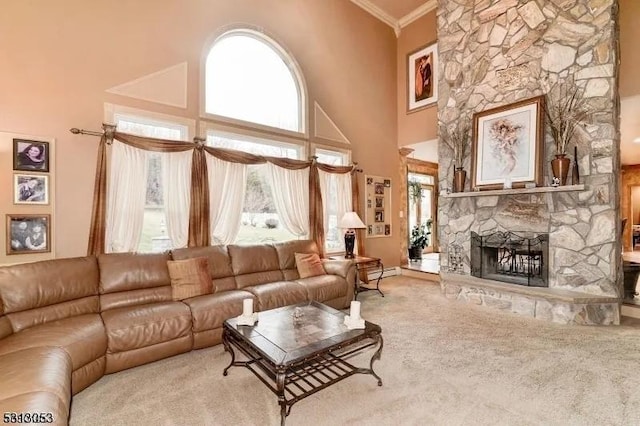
190, 278
309, 265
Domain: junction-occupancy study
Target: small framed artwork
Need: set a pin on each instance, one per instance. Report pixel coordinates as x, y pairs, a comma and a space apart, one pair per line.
387, 230
370, 230
30, 189
379, 229
369, 203
387, 183
379, 202
508, 143
28, 233
30, 155
379, 188
422, 81
379, 217
369, 181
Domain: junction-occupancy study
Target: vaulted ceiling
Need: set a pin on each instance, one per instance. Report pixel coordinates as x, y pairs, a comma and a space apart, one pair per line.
397, 13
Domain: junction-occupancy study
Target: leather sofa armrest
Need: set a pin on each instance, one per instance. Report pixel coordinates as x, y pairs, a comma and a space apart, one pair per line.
5, 327
338, 267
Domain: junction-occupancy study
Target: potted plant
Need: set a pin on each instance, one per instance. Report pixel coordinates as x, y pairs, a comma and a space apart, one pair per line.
419, 239
457, 135
415, 191
565, 109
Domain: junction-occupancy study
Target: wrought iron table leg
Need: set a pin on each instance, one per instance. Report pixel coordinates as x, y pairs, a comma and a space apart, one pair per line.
376, 356
379, 278
227, 348
280, 378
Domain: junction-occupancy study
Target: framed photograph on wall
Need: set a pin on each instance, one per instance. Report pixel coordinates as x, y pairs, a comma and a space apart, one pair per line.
379, 202
508, 143
28, 233
30, 155
379, 188
30, 189
377, 214
422, 81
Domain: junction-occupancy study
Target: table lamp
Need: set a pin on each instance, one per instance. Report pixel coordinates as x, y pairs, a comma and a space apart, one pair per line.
351, 222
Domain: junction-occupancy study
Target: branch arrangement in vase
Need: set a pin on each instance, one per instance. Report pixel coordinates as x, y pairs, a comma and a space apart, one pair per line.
565, 109
457, 135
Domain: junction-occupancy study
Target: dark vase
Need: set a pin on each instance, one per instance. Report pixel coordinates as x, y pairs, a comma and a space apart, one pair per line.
560, 167
459, 176
415, 253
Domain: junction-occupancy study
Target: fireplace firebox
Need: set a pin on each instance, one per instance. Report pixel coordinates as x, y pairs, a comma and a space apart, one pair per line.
511, 258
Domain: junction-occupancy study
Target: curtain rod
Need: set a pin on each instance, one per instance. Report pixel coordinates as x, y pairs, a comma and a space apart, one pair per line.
77, 131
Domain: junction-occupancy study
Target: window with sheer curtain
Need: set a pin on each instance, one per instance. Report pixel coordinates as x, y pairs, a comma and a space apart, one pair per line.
250, 78
160, 202
336, 195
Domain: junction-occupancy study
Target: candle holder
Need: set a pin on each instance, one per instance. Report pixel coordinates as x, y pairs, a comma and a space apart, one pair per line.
354, 320
248, 317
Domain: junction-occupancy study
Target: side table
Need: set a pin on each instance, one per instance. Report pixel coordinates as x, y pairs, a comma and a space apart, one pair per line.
364, 265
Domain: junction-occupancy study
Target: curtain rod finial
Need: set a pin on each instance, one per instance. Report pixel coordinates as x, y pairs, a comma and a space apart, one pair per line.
75, 130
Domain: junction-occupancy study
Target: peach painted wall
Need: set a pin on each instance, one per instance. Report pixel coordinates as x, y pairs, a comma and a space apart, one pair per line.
58, 58
422, 125
629, 51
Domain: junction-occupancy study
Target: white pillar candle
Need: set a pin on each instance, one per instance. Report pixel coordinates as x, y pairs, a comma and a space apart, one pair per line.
355, 310
247, 307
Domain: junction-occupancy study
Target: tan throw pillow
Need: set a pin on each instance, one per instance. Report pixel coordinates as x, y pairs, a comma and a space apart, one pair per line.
190, 278
309, 265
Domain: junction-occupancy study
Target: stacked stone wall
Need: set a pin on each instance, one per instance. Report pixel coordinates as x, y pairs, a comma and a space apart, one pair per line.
496, 52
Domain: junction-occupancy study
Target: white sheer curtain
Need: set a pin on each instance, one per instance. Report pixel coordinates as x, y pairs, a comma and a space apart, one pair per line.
227, 184
340, 185
290, 189
176, 183
126, 198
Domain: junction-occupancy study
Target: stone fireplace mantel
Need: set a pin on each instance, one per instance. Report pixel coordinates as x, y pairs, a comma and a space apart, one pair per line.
518, 191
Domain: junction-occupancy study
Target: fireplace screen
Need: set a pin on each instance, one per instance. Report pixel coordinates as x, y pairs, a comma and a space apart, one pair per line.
508, 257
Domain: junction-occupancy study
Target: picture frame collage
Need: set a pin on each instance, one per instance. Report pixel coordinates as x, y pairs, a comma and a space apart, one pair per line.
378, 207
30, 232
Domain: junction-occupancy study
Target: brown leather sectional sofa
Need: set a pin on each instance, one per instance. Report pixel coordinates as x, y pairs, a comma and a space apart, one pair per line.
65, 323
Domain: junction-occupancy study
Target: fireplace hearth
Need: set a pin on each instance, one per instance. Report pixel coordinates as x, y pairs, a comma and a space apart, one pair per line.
511, 258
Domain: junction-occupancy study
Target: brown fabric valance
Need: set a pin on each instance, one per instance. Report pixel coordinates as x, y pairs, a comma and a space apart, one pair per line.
153, 144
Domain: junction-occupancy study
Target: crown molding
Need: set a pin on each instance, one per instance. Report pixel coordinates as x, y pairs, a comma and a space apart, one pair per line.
379, 13
397, 24
417, 13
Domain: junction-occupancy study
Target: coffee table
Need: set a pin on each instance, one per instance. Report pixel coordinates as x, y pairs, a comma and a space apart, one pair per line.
297, 355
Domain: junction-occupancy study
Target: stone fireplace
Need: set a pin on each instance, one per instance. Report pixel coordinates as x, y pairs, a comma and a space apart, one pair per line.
511, 258
496, 52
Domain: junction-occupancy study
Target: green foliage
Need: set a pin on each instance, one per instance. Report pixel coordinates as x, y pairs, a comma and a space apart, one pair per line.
420, 235
415, 191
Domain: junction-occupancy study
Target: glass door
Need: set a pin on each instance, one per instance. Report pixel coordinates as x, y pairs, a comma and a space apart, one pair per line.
421, 198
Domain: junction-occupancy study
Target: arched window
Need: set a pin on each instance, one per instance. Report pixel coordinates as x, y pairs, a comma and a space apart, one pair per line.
249, 77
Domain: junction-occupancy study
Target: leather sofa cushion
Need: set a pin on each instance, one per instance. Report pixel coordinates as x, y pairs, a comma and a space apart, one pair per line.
73, 308
38, 402
219, 264
82, 337
189, 278
45, 283
287, 250
144, 296
210, 311
136, 327
252, 259
324, 287
128, 271
278, 294
36, 370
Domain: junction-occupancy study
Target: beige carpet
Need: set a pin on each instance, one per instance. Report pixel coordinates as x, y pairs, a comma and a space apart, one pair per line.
443, 363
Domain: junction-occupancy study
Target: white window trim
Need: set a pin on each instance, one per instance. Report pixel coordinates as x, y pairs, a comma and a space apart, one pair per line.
289, 60
253, 136
111, 111
345, 151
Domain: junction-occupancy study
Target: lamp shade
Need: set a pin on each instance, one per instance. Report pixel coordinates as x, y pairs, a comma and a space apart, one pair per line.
351, 220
